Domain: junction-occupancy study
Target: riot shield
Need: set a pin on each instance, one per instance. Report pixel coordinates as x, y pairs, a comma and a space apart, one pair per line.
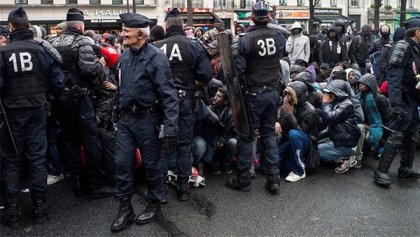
235, 87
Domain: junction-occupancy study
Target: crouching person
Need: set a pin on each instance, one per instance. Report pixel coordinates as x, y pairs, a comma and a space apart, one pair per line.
298, 121
342, 127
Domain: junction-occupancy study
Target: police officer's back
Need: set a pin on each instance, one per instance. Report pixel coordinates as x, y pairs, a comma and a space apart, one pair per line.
76, 112
28, 71
189, 63
258, 64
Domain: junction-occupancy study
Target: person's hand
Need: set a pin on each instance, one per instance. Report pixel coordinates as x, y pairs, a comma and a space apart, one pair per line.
326, 98
277, 129
170, 143
109, 86
287, 106
102, 61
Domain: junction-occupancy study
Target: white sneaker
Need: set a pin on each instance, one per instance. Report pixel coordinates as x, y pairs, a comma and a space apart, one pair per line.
52, 179
292, 177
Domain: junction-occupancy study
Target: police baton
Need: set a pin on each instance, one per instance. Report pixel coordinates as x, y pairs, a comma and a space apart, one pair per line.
3, 112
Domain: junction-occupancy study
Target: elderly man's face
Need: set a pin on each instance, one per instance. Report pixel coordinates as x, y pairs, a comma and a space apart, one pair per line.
131, 36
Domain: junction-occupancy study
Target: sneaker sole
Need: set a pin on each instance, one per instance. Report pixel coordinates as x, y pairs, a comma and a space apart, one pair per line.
143, 222
341, 171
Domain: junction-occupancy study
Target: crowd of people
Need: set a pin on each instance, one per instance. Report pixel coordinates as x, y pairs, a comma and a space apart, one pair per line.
70, 109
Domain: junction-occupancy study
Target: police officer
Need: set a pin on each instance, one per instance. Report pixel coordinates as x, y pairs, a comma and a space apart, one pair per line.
28, 71
404, 122
258, 63
189, 63
82, 68
145, 77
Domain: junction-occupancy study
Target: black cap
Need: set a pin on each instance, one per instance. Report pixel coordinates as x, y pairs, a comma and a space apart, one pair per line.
173, 13
412, 22
4, 31
134, 20
75, 14
17, 13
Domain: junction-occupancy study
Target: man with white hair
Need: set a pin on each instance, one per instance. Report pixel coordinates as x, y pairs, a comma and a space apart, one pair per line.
145, 77
76, 113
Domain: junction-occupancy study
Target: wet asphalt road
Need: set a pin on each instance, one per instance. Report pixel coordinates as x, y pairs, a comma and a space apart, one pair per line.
323, 204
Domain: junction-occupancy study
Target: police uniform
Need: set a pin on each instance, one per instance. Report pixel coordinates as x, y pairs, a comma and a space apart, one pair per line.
76, 111
189, 63
403, 97
144, 76
258, 63
28, 71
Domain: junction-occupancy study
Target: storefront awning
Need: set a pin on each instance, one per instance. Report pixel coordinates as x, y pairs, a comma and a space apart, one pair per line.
331, 18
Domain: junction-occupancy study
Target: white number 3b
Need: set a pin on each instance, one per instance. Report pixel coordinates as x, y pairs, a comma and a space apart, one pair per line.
267, 47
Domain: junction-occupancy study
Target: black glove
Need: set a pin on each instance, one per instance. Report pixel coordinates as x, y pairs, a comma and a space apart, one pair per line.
170, 143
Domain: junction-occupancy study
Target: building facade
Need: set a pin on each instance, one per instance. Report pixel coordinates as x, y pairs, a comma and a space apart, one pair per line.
103, 15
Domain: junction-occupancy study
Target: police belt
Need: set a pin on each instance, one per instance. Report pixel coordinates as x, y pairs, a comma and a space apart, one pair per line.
140, 111
254, 89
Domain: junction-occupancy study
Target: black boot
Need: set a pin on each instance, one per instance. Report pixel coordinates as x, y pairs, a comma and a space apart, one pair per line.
102, 191
272, 183
382, 179
242, 182
151, 212
125, 215
77, 186
406, 172
182, 187
40, 211
12, 215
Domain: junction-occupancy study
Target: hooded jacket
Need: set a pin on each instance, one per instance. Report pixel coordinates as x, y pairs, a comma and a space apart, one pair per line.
340, 117
314, 95
333, 50
298, 46
359, 50
381, 102
370, 110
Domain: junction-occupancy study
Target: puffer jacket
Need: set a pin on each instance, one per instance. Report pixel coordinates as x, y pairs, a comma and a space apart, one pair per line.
314, 95
359, 50
340, 117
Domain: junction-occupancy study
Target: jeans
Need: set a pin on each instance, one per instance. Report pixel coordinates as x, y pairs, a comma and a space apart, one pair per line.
293, 152
328, 152
358, 151
54, 165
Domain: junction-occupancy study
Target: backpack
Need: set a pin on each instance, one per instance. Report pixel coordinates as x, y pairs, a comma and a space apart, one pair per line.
375, 62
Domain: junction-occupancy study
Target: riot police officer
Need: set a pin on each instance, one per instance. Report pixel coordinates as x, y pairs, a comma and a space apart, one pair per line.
28, 71
76, 113
258, 64
145, 77
189, 63
404, 122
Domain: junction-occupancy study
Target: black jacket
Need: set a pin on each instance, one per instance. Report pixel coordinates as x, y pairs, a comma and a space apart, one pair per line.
359, 50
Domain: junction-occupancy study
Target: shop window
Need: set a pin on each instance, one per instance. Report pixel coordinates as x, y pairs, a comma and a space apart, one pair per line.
354, 3
117, 2
301, 2
47, 2
333, 3
21, 1
224, 4
71, 1
283, 2
179, 4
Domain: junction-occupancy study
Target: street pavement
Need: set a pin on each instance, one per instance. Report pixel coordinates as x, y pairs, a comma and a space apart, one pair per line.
323, 204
